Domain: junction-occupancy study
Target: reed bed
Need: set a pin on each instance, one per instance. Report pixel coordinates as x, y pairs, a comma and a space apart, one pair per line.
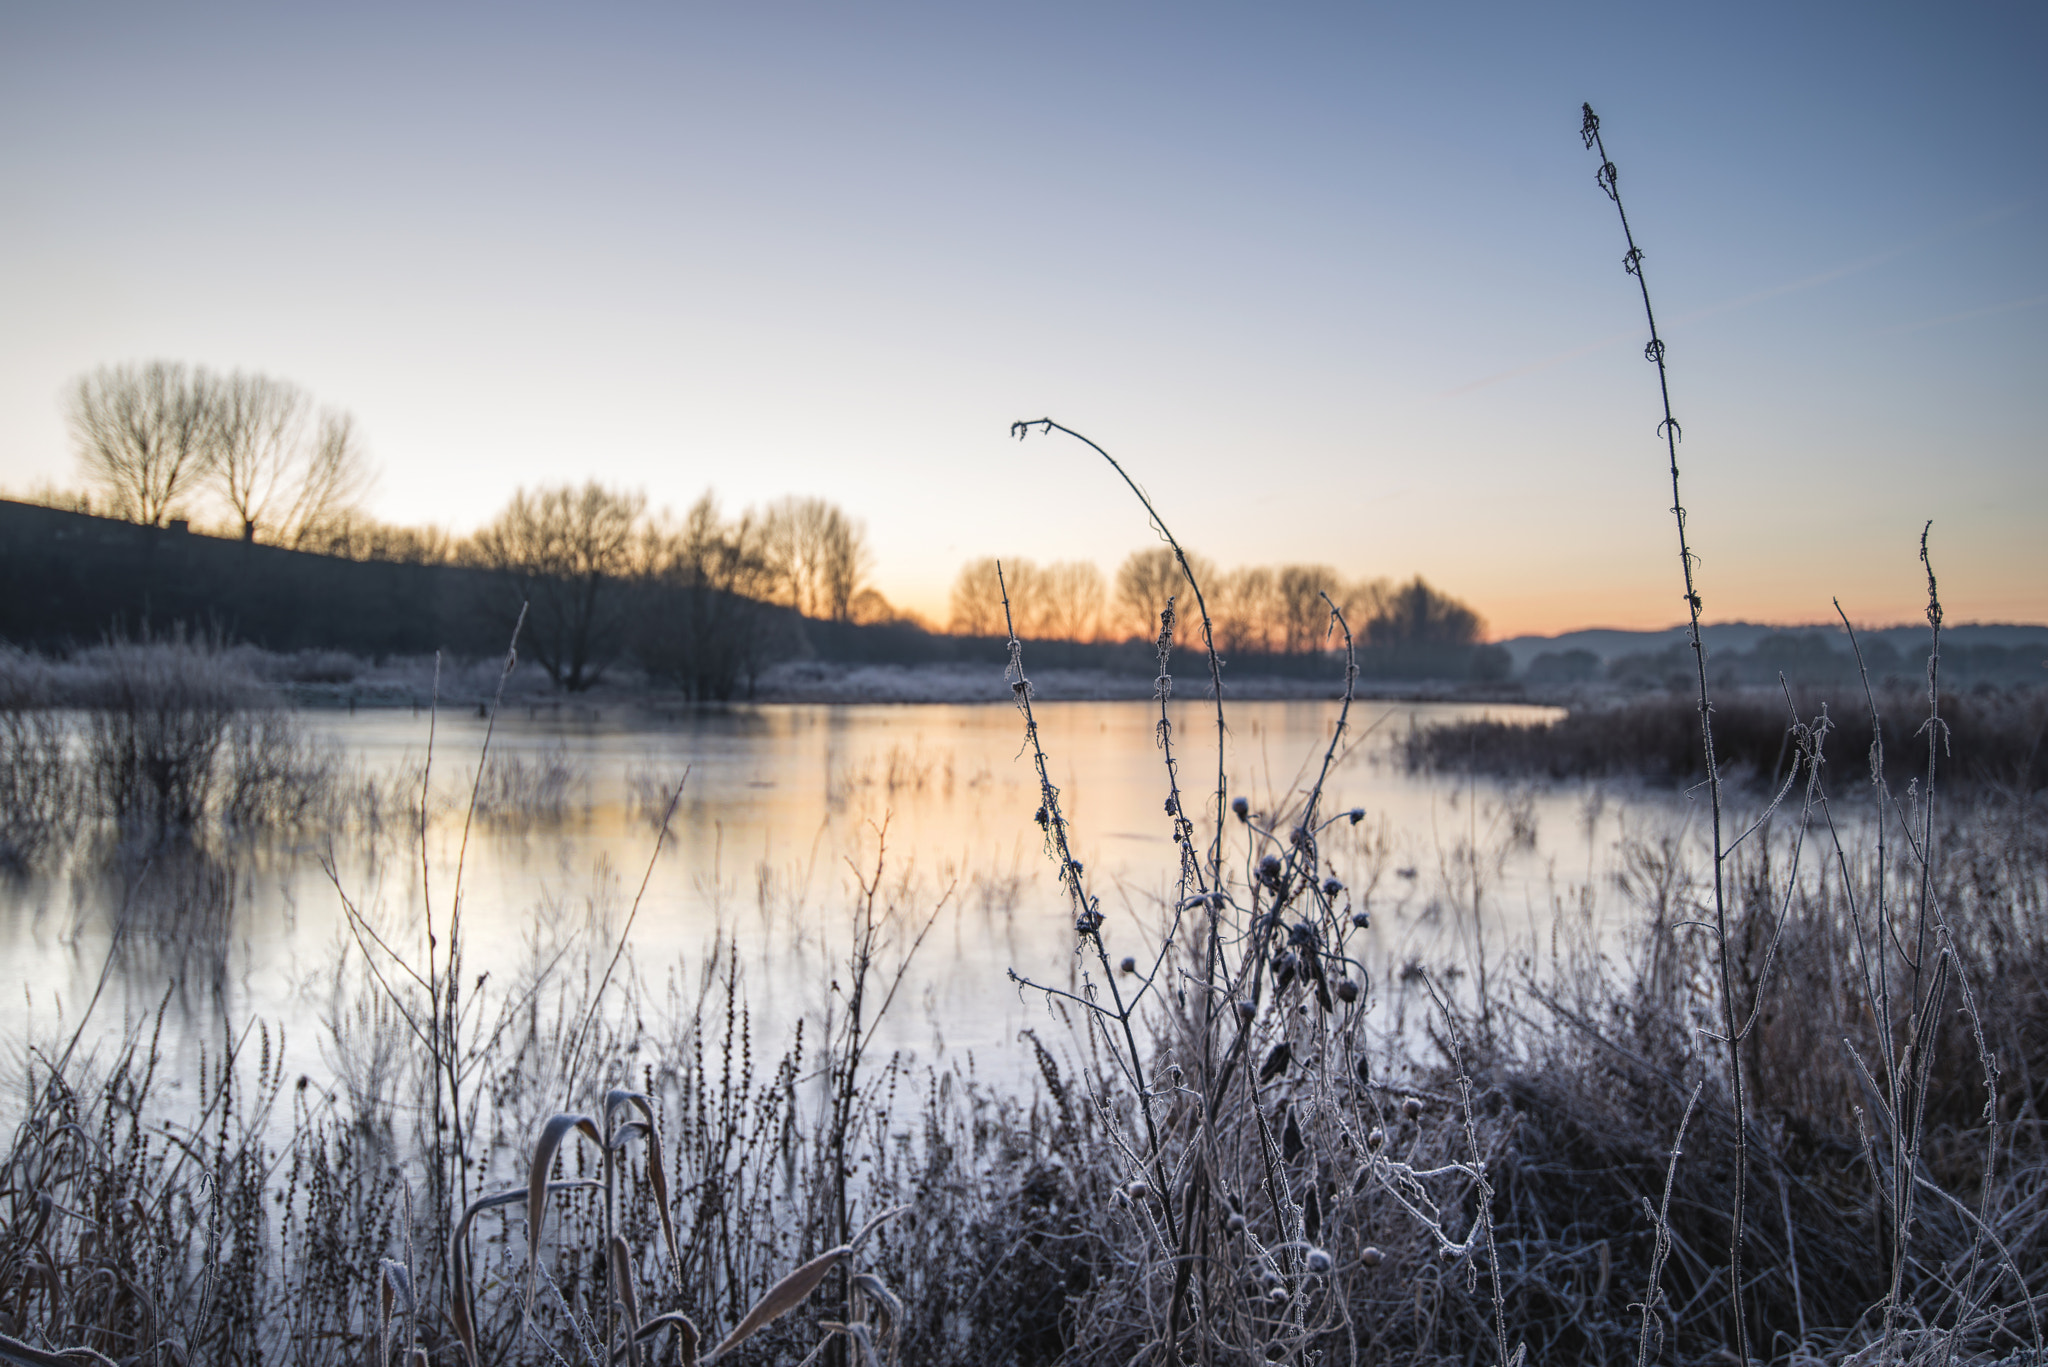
155, 737
1997, 738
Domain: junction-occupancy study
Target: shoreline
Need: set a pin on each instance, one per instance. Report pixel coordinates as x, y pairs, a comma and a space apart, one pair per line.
411, 684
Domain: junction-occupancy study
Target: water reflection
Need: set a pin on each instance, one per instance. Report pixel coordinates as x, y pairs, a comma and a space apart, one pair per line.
780, 808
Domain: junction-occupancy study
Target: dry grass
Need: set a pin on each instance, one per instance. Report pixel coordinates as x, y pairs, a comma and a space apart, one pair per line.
156, 737
1802, 1112
1996, 738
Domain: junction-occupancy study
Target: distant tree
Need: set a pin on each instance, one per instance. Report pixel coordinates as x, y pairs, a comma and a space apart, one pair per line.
566, 551
153, 437
362, 538
1245, 612
816, 554
977, 600
1415, 614
294, 477
702, 626
51, 495
1361, 601
1069, 598
1304, 618
145, 436
1062, 601
1145, 581
871, 609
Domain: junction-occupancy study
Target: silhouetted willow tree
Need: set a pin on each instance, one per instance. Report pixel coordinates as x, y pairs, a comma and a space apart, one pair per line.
142, 436
701, 624
816, 556
289, 475
565, 551
692, 599
164, 440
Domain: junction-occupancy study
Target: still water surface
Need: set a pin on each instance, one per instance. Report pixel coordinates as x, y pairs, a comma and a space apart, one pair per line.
783, 810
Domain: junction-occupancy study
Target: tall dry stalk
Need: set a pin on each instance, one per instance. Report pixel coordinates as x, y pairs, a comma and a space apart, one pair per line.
1632, 261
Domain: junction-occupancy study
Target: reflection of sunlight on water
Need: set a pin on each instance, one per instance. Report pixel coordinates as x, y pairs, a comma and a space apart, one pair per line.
782, 809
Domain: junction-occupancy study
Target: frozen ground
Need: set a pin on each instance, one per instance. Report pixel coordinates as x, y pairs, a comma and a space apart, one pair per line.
336, 680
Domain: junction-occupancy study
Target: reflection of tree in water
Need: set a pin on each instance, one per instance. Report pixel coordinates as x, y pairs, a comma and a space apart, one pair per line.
170, 908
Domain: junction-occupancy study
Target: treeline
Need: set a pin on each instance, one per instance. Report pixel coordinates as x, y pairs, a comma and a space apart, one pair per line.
701, 602
1268, 614
690, 598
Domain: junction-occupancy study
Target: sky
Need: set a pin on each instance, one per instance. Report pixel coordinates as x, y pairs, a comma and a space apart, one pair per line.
1333, 281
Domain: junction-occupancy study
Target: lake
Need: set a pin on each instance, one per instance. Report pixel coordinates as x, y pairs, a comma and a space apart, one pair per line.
784, 811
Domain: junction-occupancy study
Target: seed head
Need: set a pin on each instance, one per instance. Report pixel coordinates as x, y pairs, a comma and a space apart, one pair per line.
1278, 1295
1247, 1009
1412, 1108
1331, 887
1235, 1224
1357, 814
1129, 965
1319, 1261
1138, 1191
1372, 1257
1347, 990
1361, 919
1242, 808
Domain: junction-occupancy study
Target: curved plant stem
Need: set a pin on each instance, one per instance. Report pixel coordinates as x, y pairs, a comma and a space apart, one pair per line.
1632, 262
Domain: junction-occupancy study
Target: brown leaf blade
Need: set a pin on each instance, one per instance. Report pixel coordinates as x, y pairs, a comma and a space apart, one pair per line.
781, 1298
552, 1135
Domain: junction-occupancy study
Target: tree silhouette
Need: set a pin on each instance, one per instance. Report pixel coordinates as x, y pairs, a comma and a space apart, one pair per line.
565, 551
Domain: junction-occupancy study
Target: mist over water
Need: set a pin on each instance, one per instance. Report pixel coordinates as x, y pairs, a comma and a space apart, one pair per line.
783, 810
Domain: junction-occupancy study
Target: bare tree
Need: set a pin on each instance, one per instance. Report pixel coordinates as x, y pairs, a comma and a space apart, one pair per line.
1304, 617
1068, 601
1245, 611
977, 605
703, 627
565, 551
144, 435
258, 425
153, 436
1145, 581
300, 487
818, 556
333, 480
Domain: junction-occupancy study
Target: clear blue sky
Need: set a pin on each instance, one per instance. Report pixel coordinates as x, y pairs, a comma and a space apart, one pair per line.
1335, 281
